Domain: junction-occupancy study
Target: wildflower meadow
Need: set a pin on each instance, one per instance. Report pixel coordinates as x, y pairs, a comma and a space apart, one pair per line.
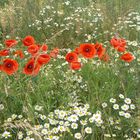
69, 69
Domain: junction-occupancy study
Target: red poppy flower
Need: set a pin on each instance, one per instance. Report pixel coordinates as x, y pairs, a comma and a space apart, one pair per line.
0, 67
128, 57
33, 49
9, 66
77, 50
87, 50
43, 59
75, 65
100, 50
28, 40
105, 57
118, 44
54, 52
44, 48
31, 68
4, 52
19, 53
10, 43
71, 57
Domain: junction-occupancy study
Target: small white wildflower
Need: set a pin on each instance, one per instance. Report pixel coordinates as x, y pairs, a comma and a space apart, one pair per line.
46, 125
125, 107
121, 96
88, 130
1, 107
121, 113
99, 122
61, 114
14, 116
116, 106
55, 130
7, 36
67, 2
9, 119
96, 117
6, 135
20, 135
83, 122
38, 108
104, 105
44, 131
74, 125
43, 117
61, 128
55, 137
78, 136
127, 101
20, 116
73, 118
132, 106
91, 120
29, 133
61, 122
112, 100
66, 123
127, 115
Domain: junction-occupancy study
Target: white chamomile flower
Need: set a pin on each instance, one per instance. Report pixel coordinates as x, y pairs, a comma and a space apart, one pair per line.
87, 106
55, 138
116, 106
121, 96
38, 108
104, 105
66, 124
67, 2
29, 133
91, 120
1, 107
56, 111
55, 130
99, 122
121, 113
112, 100
43, 117
88, 130
20, 116
127, 115
44, 131
20, 135
61, 122
9, 119
14, 116
61, 114
96, 117
83, 122
125, 107
46, 125
61, 128
127, 100
78, 136
132, 106
6, 135
74, 125
73, 118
